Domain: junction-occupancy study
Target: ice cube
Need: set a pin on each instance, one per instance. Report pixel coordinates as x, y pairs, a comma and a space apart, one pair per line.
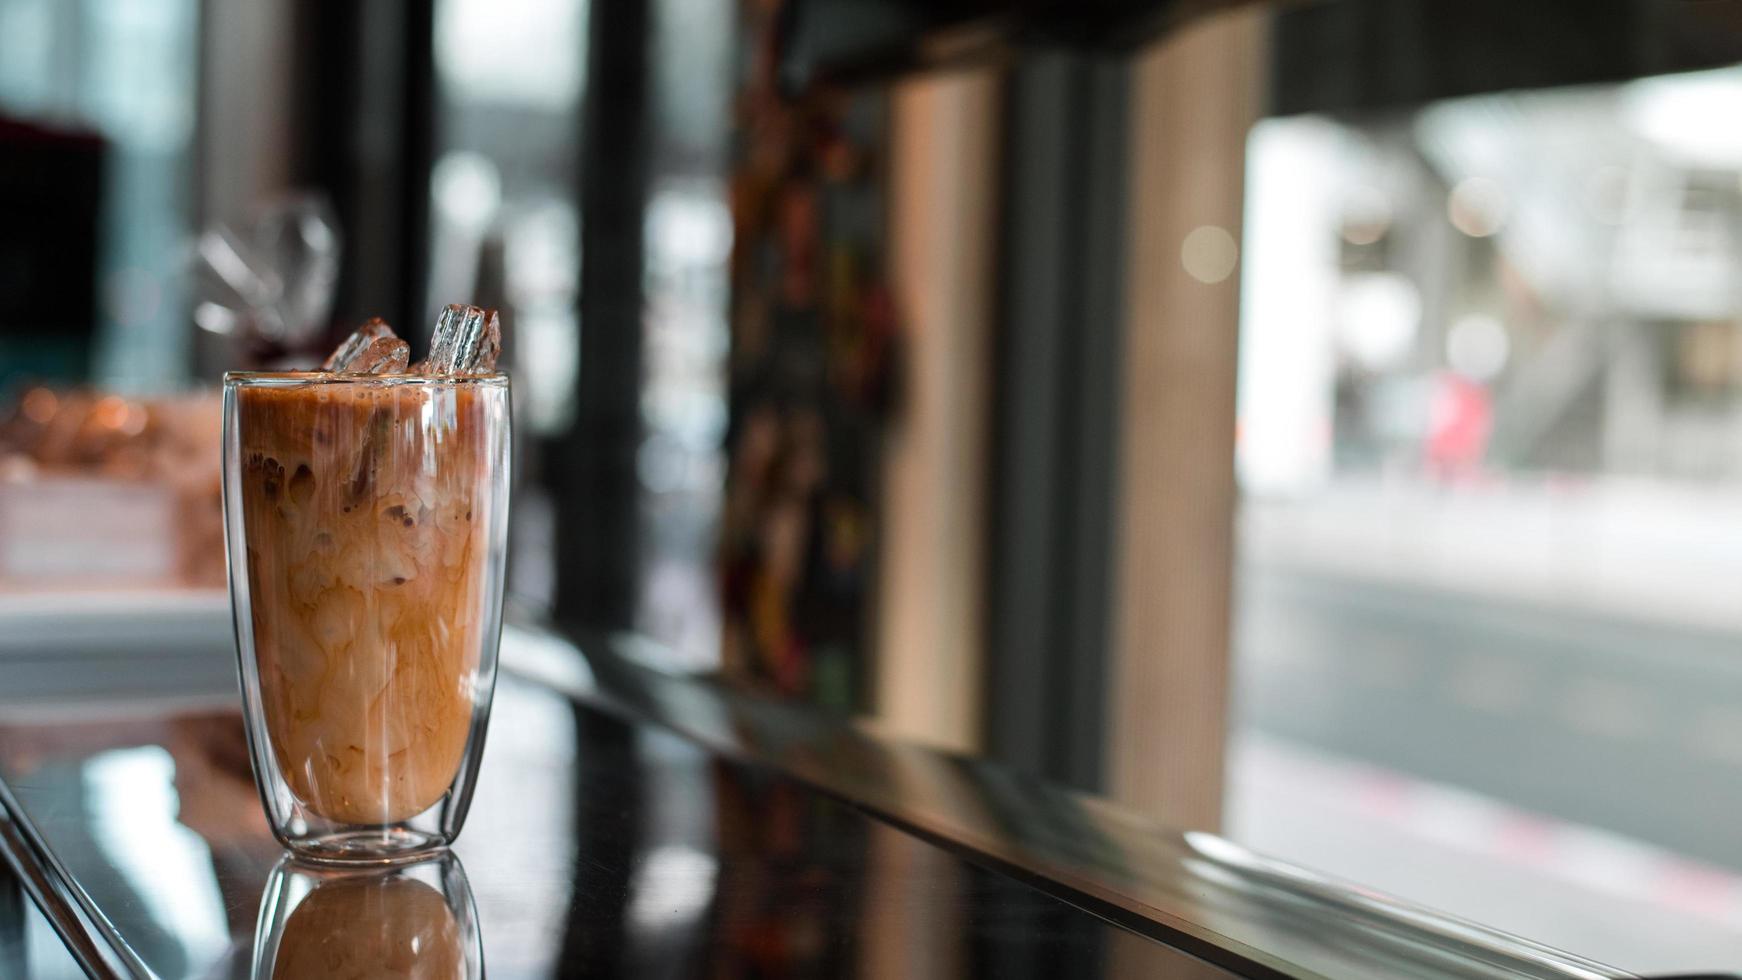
467, 340
389, 355
356, 344
372, 349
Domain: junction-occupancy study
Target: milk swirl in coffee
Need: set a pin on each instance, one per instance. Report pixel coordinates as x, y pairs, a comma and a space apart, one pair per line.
365, 510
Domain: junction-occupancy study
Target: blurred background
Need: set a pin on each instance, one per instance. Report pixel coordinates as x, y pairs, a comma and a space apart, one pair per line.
1316, 422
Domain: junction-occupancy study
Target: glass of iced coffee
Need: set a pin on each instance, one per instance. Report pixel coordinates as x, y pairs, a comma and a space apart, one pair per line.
366, 508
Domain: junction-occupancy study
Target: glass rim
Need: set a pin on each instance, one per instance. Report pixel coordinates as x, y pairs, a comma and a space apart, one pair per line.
294, 379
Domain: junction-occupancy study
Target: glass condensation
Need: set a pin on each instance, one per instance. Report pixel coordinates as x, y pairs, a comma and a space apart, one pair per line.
365, 522
409, 920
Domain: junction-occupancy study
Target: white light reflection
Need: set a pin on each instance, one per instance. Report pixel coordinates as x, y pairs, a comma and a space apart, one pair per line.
1677, 112
214, 318
550, 659
1478, 207
133, 803
1366, 215
542, 238
672, 887
466, 197
688, 227
468, 189
1477, 347
1287, 289
521, 52
1209, 254
1379, 314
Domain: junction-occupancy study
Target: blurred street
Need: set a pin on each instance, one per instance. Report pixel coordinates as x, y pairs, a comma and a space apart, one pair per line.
1355, 639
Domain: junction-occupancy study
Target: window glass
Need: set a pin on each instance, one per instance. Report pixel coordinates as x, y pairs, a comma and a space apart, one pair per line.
1490, 448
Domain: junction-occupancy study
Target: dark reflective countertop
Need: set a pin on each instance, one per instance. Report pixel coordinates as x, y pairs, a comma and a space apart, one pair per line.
634, 823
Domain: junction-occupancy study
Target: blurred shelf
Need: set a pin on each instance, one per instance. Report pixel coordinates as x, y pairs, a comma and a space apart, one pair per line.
57, 646
135, 620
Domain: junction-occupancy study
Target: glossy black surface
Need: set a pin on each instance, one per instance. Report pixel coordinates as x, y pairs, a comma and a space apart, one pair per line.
597, 847
1193, 891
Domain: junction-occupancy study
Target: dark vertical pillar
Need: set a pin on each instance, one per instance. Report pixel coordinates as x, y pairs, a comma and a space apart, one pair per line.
325, 78
363, 130
1057, 397
1027, 480
594, 461
416, 157
1097, 322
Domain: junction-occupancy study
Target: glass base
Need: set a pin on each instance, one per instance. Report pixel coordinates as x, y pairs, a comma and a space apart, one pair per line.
388, 845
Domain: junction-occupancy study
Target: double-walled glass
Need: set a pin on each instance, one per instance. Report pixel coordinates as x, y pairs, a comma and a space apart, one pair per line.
365, 520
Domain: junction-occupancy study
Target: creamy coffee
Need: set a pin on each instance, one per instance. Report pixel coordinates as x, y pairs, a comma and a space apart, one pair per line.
365, 520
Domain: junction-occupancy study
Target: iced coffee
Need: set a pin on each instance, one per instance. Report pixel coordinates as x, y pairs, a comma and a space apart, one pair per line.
371, 522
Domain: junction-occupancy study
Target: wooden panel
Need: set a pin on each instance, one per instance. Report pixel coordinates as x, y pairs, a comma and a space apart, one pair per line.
931, 579
1194, 98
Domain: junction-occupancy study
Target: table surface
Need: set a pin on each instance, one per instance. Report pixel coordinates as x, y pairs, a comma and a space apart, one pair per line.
629, 822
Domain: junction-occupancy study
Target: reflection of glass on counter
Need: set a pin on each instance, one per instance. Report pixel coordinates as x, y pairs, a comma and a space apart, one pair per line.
416, 920
97, 489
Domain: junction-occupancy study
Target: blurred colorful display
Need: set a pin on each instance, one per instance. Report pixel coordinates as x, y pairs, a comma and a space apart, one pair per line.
812, 372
